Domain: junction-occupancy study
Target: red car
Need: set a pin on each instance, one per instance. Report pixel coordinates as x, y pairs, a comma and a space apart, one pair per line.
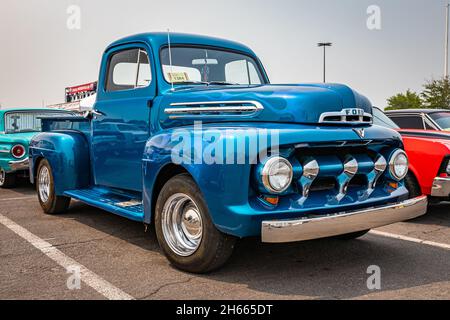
429, 156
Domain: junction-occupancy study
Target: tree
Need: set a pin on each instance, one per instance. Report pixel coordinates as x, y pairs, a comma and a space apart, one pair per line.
436, 94
408, 100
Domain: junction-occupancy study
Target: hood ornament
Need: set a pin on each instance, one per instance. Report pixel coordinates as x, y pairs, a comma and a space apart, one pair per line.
360, 132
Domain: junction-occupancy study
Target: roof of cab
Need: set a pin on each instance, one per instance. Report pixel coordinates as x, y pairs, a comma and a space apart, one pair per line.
158, 39
427, 111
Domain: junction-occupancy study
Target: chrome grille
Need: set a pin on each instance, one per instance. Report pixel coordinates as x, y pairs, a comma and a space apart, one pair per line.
335, 175
346, 116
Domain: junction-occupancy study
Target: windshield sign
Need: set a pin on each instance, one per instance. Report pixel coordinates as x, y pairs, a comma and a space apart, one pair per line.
209, 67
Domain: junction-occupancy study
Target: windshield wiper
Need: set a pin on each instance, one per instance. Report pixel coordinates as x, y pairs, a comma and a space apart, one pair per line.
192, 82
225, 83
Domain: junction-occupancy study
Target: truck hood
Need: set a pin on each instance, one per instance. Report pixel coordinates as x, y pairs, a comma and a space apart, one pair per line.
294, 103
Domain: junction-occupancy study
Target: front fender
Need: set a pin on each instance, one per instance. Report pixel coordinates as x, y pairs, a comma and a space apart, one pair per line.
227, 187
68, 155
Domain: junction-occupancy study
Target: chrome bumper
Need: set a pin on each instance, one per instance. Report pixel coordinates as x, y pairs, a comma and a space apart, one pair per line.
441, 188
19, 165
342, 223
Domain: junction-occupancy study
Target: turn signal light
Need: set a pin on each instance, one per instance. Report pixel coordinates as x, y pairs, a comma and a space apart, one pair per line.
272, 200
393, 185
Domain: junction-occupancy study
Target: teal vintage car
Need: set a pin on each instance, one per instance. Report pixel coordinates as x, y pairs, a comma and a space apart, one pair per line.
17, 127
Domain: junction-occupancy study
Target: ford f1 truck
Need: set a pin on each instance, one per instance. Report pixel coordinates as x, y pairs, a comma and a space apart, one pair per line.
188, 134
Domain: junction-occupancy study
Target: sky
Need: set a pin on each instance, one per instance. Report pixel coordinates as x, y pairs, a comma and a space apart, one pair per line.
43, 49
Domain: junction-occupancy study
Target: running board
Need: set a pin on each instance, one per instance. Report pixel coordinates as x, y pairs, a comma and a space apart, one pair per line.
122, 204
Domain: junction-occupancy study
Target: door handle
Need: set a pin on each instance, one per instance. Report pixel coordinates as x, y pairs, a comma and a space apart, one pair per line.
95, 112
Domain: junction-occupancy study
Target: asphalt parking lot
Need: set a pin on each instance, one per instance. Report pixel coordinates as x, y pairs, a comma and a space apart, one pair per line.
119, 260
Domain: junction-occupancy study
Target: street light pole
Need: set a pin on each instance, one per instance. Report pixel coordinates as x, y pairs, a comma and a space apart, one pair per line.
324, 45
447, 8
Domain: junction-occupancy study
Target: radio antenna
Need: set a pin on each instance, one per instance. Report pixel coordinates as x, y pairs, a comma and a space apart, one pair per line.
170, 59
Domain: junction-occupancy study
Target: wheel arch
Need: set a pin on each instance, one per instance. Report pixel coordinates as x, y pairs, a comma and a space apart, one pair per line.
167, 172
414, 174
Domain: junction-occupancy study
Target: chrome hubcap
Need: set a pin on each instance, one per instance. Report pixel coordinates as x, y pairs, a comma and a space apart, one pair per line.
44, 184
182, 225
2, 176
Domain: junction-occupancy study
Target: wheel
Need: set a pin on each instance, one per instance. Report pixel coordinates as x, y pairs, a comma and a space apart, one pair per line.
7, 180
413, 186
352, 236
185, 231
50, 202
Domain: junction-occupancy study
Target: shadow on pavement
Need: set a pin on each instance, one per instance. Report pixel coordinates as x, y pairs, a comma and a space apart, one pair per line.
328, 268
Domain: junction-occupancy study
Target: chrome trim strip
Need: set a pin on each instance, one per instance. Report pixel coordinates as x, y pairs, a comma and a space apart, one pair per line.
441, 187
315, 227
19, 165
195, 109
5, 151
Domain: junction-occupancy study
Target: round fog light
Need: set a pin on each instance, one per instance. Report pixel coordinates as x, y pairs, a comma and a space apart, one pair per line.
398, 165
277, 174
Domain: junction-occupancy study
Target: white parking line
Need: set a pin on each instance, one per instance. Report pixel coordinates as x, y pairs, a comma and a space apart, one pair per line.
88, 277
415, 240
19, 198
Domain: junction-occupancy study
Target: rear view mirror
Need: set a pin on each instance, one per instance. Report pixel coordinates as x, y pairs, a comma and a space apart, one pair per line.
197, 62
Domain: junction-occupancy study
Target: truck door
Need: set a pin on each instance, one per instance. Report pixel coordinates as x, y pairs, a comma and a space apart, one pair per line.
121, 117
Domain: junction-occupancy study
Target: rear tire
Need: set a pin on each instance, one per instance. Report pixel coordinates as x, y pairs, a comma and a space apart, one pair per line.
45, 186
7, 180
185, 230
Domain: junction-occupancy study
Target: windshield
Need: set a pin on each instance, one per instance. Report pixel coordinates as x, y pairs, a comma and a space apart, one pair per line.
18, 122
195, 65
442, 119
380, 119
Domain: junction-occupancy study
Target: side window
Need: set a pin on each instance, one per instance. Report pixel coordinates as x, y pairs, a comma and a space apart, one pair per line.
409, 122
241, 71
128, 69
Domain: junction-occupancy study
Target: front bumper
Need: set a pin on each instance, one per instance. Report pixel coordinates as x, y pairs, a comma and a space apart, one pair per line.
441, 188
19, 165
342, 223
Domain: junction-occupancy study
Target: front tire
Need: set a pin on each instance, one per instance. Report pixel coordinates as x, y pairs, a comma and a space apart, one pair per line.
7, 180
413, 186
185, 231
50, 202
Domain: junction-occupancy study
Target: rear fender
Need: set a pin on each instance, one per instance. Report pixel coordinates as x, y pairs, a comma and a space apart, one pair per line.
68, 155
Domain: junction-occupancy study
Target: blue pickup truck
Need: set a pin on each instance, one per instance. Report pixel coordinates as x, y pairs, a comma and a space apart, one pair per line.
188, 134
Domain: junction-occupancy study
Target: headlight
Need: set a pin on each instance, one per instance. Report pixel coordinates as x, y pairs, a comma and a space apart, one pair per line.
277, 174
398, 165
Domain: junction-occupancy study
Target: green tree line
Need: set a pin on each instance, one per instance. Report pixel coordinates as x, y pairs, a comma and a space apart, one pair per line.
435, 95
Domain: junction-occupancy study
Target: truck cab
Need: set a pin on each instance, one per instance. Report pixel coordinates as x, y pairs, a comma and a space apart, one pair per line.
188, 134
